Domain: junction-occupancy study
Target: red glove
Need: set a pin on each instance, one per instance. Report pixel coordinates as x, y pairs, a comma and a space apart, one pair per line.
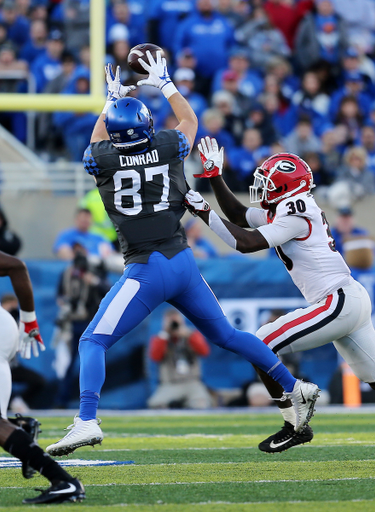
212, 159
29, 335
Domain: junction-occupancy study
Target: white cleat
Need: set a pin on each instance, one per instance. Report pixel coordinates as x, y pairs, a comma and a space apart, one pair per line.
303, 397
82, 433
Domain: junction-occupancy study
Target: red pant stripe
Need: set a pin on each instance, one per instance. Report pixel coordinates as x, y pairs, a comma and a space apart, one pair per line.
298, 321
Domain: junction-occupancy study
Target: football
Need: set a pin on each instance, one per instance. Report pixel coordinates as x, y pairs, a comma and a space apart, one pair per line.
139, 52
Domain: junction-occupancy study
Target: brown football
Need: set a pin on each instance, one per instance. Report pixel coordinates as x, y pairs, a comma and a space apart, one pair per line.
139, 52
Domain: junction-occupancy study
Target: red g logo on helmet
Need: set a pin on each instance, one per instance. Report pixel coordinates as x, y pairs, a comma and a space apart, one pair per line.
285, 166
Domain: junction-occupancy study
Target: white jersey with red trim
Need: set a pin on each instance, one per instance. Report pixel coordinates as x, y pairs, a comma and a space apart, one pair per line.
300, 234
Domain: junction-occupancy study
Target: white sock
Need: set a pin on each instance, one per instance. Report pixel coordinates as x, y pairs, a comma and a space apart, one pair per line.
289, 414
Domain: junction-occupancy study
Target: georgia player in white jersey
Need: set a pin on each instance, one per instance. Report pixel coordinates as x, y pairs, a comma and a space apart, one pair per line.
292, 223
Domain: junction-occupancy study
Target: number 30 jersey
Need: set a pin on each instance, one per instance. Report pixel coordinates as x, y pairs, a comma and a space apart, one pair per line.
143, 193
300, 234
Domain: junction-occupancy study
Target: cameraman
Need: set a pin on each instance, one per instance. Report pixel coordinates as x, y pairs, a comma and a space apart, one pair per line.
177, 349
80, 291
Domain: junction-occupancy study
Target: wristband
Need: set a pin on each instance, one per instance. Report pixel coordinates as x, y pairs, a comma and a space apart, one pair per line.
168, 89
27, 316
108, 103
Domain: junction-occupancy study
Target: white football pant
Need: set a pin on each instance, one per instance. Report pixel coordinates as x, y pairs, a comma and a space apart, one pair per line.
344, 318
8, 349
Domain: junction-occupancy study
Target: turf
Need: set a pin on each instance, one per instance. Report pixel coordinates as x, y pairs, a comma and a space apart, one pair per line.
211, 463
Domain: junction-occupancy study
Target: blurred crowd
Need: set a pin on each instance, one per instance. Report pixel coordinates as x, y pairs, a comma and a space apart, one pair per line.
262, 76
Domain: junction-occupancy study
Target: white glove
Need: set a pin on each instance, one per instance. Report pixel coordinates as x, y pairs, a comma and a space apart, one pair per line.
195, 203
158, 74
29, 335
212, 159
115, 89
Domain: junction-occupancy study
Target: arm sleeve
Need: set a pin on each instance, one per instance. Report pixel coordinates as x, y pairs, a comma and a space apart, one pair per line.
284, 229
158, 348
183, 146
256, 217
199, 344
89, 162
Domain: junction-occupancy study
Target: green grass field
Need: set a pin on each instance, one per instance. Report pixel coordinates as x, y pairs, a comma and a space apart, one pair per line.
212, 463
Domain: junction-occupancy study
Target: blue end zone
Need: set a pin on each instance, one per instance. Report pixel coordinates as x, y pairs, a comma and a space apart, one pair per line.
11, 462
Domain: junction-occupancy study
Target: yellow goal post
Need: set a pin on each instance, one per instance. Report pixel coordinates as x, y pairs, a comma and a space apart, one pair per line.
92, 102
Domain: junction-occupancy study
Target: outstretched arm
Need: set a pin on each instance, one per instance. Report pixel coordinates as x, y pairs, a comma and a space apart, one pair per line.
236, 237
159, 77
212, 160
19, 276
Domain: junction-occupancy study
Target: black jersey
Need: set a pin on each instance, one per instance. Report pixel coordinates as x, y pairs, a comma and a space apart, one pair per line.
143, 193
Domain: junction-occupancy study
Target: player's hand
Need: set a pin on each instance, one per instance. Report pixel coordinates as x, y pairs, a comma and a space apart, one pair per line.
212, 159
195, 203
30, 339
115, 89
158, 74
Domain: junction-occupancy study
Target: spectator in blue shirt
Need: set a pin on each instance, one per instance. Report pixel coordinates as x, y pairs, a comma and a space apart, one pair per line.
321, 36
350, 117
18, 26
245, 159
36, 45
131, 15
184, 78
258, 118
76, 127
281, 68
164, 17
95, 245
210, 37
46, 67
284, 118
311, 100
354, 86
212, 124
250, 81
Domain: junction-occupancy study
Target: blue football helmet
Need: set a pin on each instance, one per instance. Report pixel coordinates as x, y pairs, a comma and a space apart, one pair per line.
129, 124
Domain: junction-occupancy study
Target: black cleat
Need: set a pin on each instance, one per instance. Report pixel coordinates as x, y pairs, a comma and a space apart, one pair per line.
59, 493
31, 427
286, 438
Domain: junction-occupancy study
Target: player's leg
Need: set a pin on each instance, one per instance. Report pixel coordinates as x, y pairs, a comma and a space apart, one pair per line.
131, 299
358, 346
200, 306
18, 443
304, 329
8, 348
358, 350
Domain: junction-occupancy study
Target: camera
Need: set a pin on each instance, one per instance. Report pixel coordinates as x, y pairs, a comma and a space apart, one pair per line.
80, 262
174, 325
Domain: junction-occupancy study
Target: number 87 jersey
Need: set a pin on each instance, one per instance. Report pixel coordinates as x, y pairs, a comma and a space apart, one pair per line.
143, 193
300, 234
